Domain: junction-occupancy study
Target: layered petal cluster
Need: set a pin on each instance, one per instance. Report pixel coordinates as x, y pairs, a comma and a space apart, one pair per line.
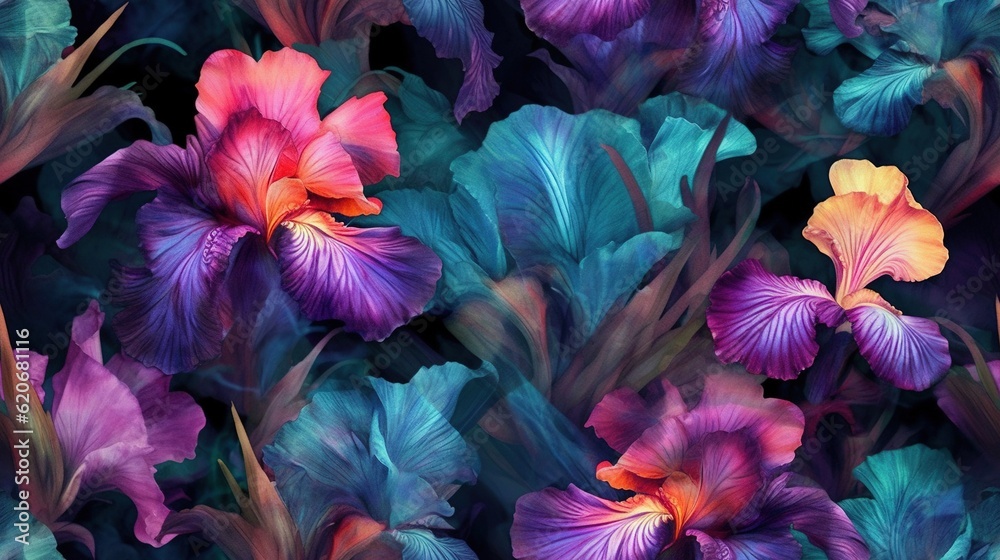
372, 468
722, 51
709, 476
115, 447
42, 112
871, 227
254, 196
913, 45
917, 509
454, 27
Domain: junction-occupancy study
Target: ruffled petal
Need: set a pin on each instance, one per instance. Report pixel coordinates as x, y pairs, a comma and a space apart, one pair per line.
365, 131
767, 322
808, 510
560, 20
916, 509
171, 318
736, 60
845, 14
283, 86
456, 30
143, 166
875, 229
574, 525
326, 169
372, 279
173, 419
879, 100
720, 475
909, 352
251, 155
622, 415
106, 447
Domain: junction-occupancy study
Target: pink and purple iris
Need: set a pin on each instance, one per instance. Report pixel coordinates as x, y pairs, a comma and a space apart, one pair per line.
710, 478
251, 201
871, 227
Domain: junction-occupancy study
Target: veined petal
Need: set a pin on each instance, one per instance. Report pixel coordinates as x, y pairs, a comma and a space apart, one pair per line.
875, 229
719, 477
768, 322
173, 419
373, 279
574, 525
908, 352
283, 86
560, 20
33, 34
171, 318
326, 169
455, 28
421, 544
880, 99
252, 153
143, 166
365, 131
106, 447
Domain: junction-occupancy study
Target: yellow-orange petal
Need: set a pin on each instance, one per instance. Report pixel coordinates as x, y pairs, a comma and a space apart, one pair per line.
870, 232
861, 175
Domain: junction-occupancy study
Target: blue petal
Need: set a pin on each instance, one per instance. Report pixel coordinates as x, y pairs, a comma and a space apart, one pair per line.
676, 120
558, 195
39, 543
420, 544
916, 509
879, 100
441, 385
455, 28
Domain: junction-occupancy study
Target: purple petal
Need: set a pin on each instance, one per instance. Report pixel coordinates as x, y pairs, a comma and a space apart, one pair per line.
558, 21
736, 61
622, 415
908, 352
373, 279
845, 14
171, 318
36, 374
767, 322
143, 166
806, 509
573, 525
455, 28
105, 447
173, 419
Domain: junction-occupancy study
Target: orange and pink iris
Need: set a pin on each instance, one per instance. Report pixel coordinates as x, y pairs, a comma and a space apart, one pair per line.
871, 227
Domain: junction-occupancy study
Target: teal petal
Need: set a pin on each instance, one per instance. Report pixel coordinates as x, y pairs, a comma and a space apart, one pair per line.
609, 275
420, 544
920, 25
41, 544
809, 550
986, 520
441, 385
558, 195
33, 34
916, 509
879, 100
676, 120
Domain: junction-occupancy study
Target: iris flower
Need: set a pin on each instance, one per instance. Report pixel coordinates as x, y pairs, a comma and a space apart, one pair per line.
251, 196
454, 27
710, 476
721, 51
84, 447
42, 112
871, 227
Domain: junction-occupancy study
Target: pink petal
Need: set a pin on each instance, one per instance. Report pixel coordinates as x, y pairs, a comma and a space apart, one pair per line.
622, 415
283, 86
366, 133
